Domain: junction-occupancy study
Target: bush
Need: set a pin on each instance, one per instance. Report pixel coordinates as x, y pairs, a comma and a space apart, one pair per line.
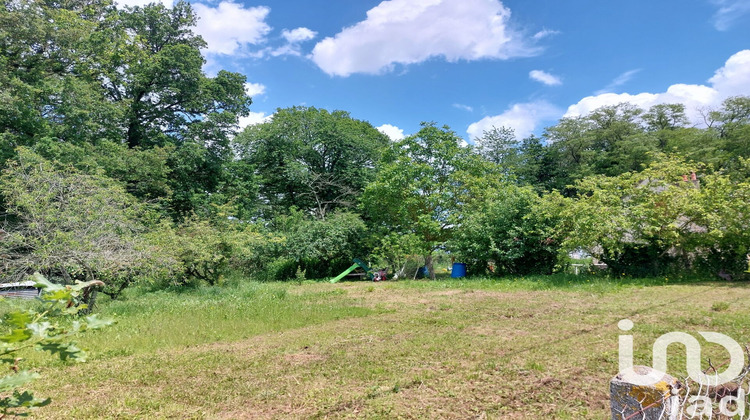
70, 225
320, 247
659, 221
514, 230
279, 269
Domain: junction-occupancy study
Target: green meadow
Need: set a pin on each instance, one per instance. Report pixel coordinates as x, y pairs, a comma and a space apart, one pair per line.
535, 347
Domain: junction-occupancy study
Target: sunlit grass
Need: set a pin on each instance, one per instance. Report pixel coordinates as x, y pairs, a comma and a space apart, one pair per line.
531, 347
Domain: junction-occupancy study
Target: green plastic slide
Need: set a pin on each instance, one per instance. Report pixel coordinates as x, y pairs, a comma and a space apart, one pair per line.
342, 275
357, 263
364, 266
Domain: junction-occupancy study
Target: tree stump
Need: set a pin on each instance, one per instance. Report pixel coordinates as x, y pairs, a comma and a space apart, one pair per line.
643, 393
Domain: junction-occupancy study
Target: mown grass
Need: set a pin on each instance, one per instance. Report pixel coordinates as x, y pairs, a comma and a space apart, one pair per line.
536, 347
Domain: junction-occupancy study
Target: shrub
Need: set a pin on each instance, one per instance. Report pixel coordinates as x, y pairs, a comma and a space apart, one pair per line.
69, 225
659, 220
513, 230
320, 247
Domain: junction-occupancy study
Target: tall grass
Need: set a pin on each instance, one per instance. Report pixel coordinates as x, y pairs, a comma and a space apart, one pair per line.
148, 321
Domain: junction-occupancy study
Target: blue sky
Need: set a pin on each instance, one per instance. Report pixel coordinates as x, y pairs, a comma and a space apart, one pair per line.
472, 64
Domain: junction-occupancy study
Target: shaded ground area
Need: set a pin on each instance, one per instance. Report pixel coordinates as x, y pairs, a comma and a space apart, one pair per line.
414, 350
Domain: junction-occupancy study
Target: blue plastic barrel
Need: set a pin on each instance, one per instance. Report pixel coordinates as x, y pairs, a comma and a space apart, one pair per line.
458, 270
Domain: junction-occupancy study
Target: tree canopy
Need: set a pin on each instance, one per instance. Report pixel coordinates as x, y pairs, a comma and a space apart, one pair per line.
123, 160
315, 160
423, 184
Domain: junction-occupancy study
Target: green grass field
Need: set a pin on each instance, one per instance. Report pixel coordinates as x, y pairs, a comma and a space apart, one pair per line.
518, 348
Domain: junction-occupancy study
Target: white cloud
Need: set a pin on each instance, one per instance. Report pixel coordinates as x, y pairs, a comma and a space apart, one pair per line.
729, 12
141, 3
618, 81
463, 107
391, 131
254, 118
544, 33
255, 89
523, 118
544, 77
734, 76
298, 35
411, 31
293, 40
230, 28
730, 80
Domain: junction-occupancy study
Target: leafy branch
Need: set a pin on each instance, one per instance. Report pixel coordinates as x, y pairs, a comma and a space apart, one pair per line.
48, 327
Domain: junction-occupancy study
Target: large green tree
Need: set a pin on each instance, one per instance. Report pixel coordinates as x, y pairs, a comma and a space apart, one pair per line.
71, 225
424, 183
512, 229
499, 145
81, 76
48, 84
152, 64
315, 160
670, 216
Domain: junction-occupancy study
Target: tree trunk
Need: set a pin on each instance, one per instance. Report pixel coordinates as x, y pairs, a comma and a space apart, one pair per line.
428, 263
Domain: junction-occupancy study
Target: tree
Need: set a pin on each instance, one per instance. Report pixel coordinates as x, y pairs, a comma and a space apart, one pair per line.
424, 182
315, 160
659, 219
726, 240
734, 114
144, 172
323, 247
71, 226
513, 229
665, 117
733, 126
632, 221
499, 146
83, 72
48, 86
536, 164
150, 61
571, 141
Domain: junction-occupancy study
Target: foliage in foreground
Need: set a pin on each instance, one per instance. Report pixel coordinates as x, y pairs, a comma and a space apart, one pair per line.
49, 327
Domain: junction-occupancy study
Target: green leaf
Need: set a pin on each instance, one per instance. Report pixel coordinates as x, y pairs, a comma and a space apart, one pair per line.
26, 399
57, 295
21, 399
15, 380
45, 284
94, 322
17, 335
39, 329
17, 319
66, 351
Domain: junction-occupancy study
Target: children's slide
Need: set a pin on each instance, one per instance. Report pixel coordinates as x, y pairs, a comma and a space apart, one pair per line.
357, 263
342, 275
